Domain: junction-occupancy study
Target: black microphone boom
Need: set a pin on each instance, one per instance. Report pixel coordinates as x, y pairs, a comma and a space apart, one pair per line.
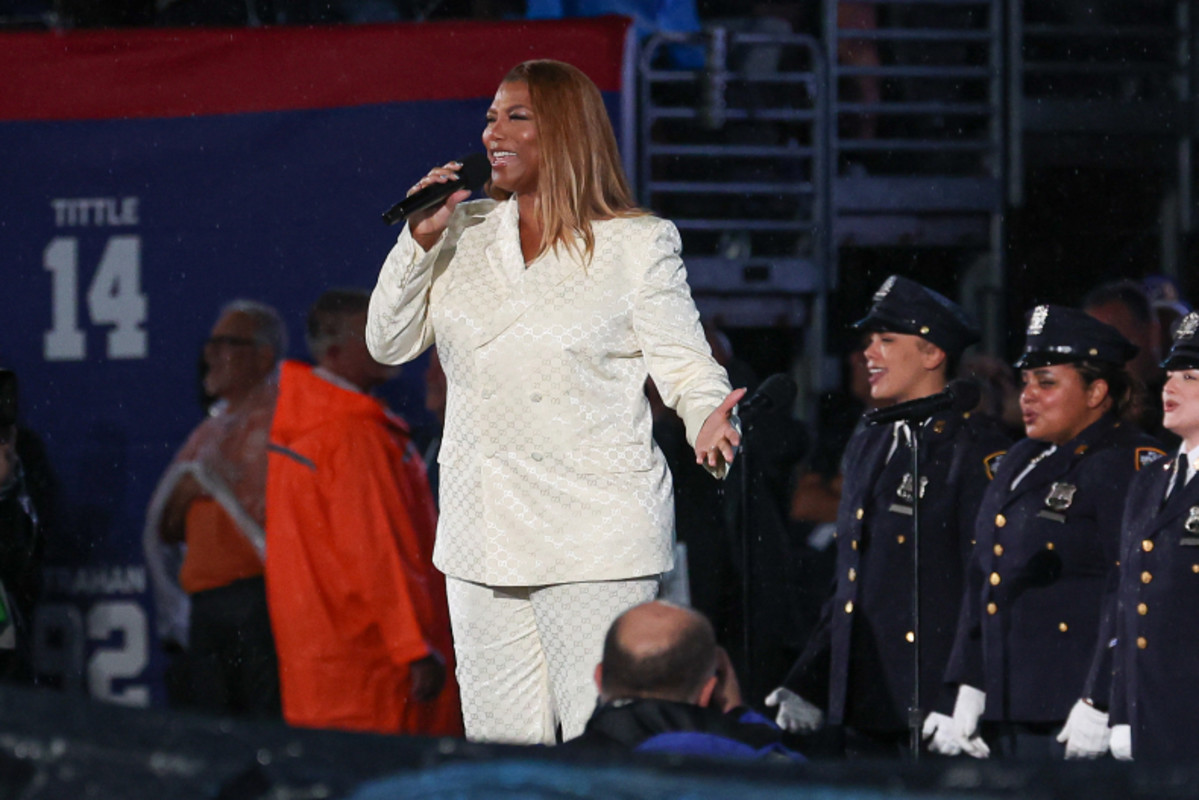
777, 391
960, 395
475, 171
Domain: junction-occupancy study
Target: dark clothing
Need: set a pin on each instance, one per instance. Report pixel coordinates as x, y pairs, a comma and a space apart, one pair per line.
663, 726
1157, 626
23, 504
859, 662
232, 666
1026, 741
1042, 571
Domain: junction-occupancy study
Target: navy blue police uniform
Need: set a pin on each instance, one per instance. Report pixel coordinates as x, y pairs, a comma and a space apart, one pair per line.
1156, 645
859, 661
1046, 548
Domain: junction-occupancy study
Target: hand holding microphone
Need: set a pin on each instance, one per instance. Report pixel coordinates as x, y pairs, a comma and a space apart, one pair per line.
429, 203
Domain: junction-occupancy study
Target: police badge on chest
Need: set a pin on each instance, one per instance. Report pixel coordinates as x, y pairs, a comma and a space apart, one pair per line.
1191, 526
1060, 496
904, 493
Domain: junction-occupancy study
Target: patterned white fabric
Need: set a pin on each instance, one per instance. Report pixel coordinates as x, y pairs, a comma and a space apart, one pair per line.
526, 655
548, 469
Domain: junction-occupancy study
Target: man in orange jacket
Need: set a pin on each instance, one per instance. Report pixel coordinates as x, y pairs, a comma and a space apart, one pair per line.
358, 611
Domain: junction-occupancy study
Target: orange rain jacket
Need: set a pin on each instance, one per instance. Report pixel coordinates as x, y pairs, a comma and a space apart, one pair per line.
353, 594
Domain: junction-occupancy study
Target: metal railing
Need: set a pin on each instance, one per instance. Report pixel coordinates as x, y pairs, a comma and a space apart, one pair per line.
732, 149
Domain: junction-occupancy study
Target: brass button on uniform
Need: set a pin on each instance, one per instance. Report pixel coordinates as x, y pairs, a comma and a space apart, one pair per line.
910, 636
854, 544
1048, 545
998, 549
853, 574
1146, 577
901, 538
1000, 520
1142, 642
1194, 567
1063, 627
860, 513
992, 608
849, 607
1147, 546
995, 578
1142, 608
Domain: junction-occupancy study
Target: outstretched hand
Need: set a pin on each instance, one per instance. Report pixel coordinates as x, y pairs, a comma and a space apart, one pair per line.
719, 439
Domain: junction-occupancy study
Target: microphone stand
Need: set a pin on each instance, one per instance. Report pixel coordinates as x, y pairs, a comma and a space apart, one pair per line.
750, 688
915, 722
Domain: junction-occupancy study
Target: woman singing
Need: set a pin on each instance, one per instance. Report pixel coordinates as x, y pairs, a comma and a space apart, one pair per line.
550, 304
1046, 541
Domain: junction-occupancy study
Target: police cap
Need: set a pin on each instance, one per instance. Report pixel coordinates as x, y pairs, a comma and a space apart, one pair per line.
1062, 335
904, 306
1184, 353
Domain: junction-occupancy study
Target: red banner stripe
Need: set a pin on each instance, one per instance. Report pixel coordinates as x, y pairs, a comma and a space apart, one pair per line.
155, 72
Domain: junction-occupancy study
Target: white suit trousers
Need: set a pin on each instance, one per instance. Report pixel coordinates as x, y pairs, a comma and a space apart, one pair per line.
527, 654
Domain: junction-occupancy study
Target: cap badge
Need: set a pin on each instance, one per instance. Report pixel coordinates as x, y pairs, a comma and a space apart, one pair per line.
1188, 326
1036, 323
885, 289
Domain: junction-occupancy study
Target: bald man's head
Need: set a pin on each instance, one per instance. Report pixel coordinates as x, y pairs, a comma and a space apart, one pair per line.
658, 650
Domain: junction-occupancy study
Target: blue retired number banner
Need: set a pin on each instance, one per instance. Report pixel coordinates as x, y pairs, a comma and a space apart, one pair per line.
151, 176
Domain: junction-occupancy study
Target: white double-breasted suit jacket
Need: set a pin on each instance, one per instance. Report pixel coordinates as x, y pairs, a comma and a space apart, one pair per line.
548, 469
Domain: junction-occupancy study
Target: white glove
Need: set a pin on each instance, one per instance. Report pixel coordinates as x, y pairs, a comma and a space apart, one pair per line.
967, 711
1085, 733
941, 730
1121, 742
795, 714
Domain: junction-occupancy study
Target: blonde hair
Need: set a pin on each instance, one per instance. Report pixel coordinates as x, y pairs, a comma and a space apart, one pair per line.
581, 179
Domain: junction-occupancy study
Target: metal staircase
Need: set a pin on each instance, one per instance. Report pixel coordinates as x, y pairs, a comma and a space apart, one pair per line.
732, 150
916, 96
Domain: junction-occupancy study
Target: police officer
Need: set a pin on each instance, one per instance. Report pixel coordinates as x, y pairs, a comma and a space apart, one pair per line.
859, 663
1047, 538
1154, 705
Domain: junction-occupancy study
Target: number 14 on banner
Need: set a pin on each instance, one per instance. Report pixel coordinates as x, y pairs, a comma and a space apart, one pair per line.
114, 298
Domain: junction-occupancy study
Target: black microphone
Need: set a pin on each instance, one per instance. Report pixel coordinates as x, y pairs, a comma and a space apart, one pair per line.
475, 171
777, 391
960, 395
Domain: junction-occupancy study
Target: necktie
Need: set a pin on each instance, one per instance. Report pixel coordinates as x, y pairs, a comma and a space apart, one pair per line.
1178, 475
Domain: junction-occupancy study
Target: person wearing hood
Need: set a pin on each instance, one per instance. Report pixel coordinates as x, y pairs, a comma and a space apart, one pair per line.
358, 610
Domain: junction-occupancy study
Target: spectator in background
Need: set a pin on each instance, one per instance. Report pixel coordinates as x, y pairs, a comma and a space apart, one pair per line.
1125, 306
818, 489
665, 686
213, 499
358, 610
24, 495
1000, 395
1168, 304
